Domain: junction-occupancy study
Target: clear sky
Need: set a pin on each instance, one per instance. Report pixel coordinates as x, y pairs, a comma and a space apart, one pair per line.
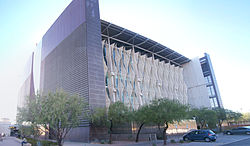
190, 27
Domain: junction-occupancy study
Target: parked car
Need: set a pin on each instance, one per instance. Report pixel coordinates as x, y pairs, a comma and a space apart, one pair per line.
239, 130
206, 135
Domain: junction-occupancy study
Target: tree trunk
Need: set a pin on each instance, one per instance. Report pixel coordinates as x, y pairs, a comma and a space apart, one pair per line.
164, 134
138, 132
59, 141
159, 126
202, 124
59, 137
220, 125
110, 132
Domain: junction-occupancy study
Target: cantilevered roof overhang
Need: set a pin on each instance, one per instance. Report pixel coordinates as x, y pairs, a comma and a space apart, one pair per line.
129, 39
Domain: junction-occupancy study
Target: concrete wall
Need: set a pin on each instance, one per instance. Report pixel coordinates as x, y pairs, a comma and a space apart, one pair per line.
197, 90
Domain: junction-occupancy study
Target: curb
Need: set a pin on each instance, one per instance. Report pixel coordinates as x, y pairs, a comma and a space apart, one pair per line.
20, 141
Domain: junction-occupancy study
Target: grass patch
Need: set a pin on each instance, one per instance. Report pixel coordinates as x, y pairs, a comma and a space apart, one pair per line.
43, 142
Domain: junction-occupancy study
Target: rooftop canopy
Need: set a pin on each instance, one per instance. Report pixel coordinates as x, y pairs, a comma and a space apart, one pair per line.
129, 39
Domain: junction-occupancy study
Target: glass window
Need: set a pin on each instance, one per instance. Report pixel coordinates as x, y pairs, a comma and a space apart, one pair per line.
114, 57
122, 57
211, 91
192, 132
107, 91
208, 79
107, 80
212, 102
211, 132
116, 82
118, 95
120, 67
215, 102
122, 97
104, 54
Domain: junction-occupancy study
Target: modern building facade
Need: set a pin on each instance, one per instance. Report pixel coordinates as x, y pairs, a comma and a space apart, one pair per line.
105, 63
27, 89
211, 83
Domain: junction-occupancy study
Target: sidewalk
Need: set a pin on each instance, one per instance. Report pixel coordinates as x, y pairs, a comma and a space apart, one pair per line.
120, 143
127, 143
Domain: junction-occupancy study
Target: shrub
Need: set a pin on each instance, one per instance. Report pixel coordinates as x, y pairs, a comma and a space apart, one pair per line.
49, 143
102, 141
181, 141
130, 137
31, 141
172, 141
43, 142
159, 136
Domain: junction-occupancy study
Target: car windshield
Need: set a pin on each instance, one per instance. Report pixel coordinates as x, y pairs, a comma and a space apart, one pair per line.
239, 128
211, 132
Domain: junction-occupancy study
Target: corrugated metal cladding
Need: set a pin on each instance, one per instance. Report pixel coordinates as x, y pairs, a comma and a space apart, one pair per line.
66, 67
66, 23
75, 63
95, 55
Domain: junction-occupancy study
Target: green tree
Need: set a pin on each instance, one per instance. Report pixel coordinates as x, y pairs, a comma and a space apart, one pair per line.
246, 116
167, 111
59, 112
205, 118
226, 115
142, 116
221, 114
117, 114
235, 116
99, 117
27, 117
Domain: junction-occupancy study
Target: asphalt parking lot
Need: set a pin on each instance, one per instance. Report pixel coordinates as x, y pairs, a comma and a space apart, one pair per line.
221, 140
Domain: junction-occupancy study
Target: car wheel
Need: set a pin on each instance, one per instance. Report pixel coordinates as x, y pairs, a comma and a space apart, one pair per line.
228, 133
248, 133
186, 139
207, 139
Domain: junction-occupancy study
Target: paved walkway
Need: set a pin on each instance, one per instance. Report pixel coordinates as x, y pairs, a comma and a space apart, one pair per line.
222, 140
160, 143
122, 143
9, 141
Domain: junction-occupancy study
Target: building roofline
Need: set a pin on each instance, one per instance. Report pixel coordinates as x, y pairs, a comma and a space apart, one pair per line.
141, 43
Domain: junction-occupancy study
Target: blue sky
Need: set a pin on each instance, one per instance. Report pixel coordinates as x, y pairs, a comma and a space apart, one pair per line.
191, 27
